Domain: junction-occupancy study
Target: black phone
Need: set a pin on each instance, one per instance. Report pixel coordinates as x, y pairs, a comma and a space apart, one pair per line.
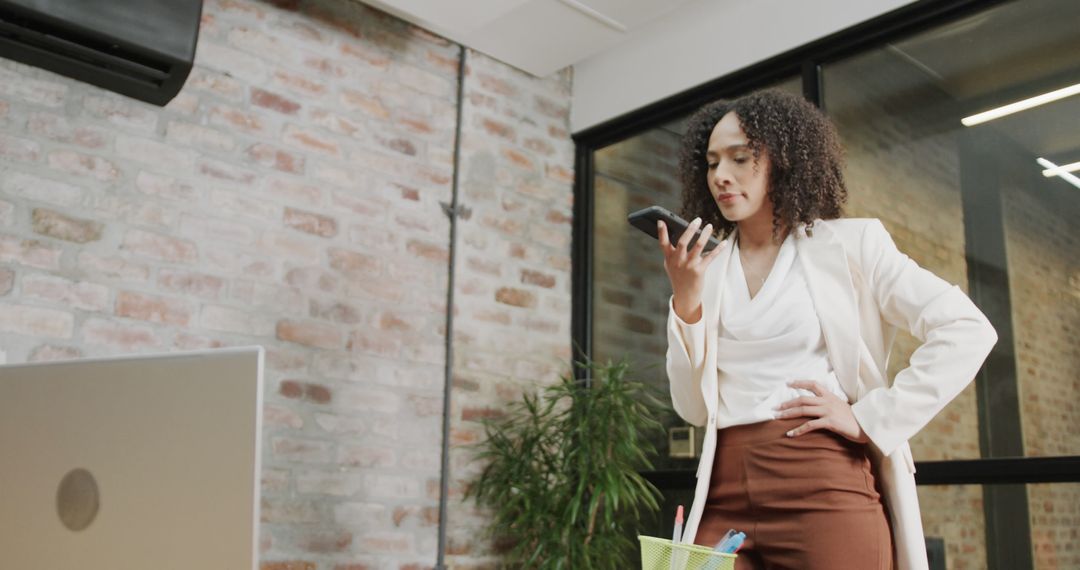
646, 218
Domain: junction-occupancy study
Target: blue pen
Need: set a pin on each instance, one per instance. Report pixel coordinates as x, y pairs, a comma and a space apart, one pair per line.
735, 543
731, 542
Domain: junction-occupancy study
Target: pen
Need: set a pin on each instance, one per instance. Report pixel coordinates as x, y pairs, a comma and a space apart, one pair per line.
676, 536
731, 542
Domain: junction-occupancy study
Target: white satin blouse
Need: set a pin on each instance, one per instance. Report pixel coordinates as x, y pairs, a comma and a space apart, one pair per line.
765, 341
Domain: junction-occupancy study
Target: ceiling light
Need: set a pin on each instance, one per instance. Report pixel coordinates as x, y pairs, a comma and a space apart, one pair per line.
1070, 178
1021, 105
1059, 169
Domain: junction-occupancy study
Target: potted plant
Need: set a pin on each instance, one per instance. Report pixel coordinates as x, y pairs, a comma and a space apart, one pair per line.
561, 475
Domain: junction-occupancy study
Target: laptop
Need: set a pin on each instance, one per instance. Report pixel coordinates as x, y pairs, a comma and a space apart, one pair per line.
132, 463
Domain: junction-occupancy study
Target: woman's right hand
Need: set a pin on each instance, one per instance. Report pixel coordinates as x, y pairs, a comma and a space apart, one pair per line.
686, 267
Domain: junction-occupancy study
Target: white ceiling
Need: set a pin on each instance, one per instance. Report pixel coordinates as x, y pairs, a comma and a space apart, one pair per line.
537, 36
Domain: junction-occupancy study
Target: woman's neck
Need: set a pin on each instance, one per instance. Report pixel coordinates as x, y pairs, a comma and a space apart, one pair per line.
755, 235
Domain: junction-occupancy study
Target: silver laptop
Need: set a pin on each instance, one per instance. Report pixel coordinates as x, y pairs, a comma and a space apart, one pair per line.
134, 463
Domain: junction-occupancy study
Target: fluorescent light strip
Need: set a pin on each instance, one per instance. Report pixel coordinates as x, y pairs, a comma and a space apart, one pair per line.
1063, 168
1071, 179
1021, 105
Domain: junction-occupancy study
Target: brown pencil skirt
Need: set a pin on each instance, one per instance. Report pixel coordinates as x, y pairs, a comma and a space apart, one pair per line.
808, 502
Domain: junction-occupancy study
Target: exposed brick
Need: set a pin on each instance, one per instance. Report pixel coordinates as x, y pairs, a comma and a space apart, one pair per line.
72, 294
58, 129
224, 171
52, 353
290, 565
122, 112
496, 128
279, 416
310, 222
29, 252
7, 279
495, 85
296, 180
76, 163
19, 149
158, 246
515, 297
228, 319
57, 225
294, 511
41, 189
313, 278
302, 450
540, 146
218, 84
552, 109
428, 251
271, 157
390, 321
36, 321
152, 308
309, 140
165, 187
518, 159
313, 334
362, 53
184, 103
530, 277
359, 101
273, 101
190, 282
199, 137
118, 334
325, 66
353, 263
400, 145
560, 174
237, 119
335, 312
114, 267
336, 123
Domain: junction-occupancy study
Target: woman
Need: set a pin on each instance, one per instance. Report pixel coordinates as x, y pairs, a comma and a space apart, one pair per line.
778, 342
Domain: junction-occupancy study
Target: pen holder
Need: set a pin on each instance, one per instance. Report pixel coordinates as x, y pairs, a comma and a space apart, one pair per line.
657, 553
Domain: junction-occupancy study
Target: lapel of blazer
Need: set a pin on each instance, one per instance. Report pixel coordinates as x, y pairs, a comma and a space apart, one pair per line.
828, 278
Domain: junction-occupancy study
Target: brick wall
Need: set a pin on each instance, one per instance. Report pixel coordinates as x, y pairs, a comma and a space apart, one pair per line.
1043, 247
512, 326
289, 197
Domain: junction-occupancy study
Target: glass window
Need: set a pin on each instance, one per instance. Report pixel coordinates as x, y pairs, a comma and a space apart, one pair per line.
972, 204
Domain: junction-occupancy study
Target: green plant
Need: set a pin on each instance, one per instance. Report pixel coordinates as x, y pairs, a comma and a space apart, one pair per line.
561, 475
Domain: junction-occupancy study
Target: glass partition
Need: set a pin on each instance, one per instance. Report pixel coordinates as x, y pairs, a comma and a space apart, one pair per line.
987, 203
971, 204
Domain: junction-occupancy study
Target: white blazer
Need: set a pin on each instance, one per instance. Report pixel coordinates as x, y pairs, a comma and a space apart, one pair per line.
863, 289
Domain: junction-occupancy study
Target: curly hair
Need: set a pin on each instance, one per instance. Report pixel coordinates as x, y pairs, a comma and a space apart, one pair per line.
805, 178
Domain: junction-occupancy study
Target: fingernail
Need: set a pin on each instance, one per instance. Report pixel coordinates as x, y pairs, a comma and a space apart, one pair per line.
790, 433
696, 221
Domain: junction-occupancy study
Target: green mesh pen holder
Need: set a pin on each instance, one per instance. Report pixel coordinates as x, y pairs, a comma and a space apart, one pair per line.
656, 554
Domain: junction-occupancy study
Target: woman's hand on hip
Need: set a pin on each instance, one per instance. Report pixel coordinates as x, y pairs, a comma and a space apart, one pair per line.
686, 267
828, 410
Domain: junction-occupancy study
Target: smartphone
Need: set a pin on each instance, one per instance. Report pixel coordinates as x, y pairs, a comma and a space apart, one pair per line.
646, 218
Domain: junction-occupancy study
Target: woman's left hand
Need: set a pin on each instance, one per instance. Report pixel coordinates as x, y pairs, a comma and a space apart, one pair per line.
827, 409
